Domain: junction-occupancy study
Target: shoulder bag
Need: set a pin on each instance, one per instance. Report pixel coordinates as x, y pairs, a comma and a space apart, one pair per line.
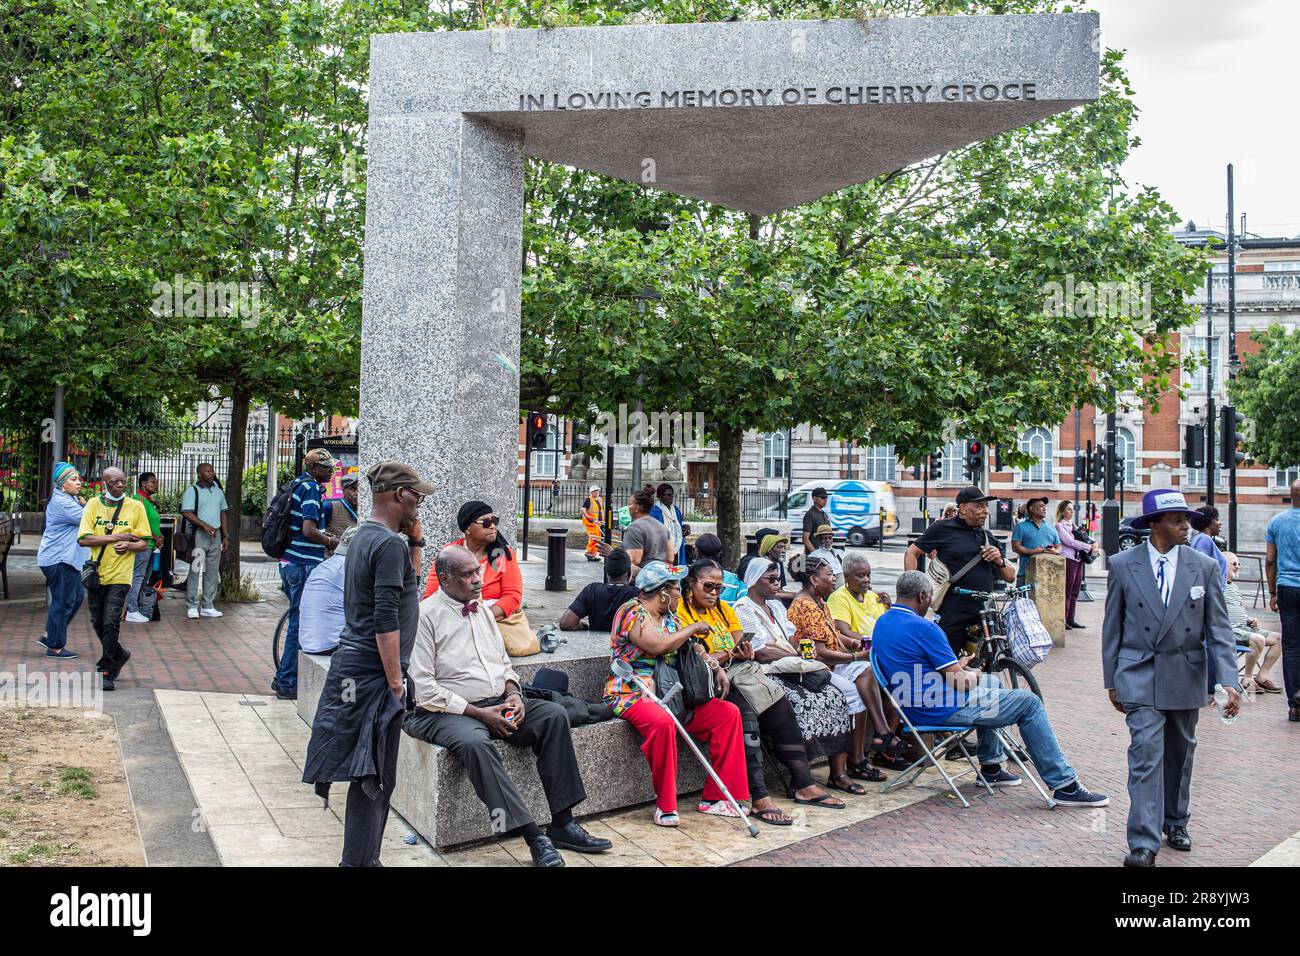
689, 670
938, 572
90, 570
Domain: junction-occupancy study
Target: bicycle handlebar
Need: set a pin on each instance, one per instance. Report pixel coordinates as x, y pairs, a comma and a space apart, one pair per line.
1004, 593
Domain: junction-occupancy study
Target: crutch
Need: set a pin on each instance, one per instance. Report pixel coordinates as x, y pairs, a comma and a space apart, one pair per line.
623, 670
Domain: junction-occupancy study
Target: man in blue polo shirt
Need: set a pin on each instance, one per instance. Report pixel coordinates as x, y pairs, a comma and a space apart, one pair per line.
307, 548
914, 661
1033, 535
1282, 568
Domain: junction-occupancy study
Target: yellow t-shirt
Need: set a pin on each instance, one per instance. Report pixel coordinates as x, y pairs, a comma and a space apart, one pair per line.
860, 616
114, 568
722, 622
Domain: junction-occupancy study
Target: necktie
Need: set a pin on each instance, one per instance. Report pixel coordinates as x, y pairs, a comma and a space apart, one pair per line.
469, 608
1162, 579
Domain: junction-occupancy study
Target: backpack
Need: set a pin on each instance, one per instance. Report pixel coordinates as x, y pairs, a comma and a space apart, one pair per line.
277, 526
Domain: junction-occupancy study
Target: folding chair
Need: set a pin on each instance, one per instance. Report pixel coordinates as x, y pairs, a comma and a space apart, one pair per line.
953, 735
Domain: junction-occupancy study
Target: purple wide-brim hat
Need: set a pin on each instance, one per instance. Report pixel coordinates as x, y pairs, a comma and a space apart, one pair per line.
1161, 501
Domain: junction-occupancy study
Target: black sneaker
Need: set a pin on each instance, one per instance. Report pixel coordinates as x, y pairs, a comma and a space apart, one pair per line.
108, 680
574, 837
282, 694
43, 641
117, 668
1002, 778
544, 853
1077, 795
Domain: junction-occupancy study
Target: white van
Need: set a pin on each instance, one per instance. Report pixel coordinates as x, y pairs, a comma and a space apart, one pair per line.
854, 508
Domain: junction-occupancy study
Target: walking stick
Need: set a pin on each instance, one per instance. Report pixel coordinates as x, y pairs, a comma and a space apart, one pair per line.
623, 670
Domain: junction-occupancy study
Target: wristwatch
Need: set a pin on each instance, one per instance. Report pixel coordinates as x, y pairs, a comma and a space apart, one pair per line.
415, 544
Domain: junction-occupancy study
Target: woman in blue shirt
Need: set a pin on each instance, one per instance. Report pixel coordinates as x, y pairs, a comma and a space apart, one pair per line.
1204, 527
60, 558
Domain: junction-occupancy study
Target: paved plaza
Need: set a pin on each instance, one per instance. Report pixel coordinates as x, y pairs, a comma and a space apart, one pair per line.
216, 764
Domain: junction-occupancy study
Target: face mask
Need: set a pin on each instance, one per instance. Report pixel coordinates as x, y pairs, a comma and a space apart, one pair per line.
112, 497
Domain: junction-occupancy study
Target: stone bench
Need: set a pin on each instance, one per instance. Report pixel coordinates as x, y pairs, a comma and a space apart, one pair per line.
434, 794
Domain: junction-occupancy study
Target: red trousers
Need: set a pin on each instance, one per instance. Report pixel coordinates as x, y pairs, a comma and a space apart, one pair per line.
1073, 584
717, 723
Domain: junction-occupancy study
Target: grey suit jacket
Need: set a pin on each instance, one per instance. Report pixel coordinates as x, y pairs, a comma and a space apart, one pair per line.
1157, 655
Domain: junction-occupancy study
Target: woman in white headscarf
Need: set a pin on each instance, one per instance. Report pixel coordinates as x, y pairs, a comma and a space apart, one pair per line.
820, 708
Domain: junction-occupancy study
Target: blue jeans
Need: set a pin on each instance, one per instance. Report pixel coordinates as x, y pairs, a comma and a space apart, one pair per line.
66, 595
992, 705
292, 579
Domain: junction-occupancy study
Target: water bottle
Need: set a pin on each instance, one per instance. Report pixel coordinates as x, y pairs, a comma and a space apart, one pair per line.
1221, 701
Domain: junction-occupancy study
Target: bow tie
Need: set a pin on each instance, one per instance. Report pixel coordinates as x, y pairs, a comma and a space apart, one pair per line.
469, 608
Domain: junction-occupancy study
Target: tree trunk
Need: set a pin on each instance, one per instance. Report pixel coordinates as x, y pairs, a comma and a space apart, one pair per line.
230, 570
729, 441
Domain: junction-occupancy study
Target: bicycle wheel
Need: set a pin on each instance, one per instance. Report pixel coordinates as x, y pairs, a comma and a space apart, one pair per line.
277, 642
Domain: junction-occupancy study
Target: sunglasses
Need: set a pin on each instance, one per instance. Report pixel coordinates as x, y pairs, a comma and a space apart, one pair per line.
490, 522
712, 588
419, 498
772, 578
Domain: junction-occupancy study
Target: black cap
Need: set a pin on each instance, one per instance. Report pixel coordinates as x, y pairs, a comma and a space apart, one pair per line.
820, 492
1043, 498
968, 495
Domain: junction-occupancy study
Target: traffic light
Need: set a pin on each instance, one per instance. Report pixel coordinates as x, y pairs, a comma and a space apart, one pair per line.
1229, 419
974, 463
1097, 467
1194, 446
936, 466
997, 457
536, 431
1080, 468
1117, 470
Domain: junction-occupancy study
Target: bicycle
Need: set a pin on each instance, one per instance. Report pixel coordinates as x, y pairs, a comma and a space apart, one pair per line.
994, 651
277, 642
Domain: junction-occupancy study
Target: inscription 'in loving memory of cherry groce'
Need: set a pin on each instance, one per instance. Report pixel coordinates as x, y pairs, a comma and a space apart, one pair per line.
902, 93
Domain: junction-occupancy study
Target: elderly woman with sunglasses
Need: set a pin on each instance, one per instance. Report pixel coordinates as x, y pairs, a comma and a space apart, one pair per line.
503, 584
765, 711
645, 629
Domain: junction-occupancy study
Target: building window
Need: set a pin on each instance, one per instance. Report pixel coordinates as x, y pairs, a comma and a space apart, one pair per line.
1199, 345
881, 463
954, 462
546, 460
1282, 477
1196, 478
1038, 442
775, 456
1126, 449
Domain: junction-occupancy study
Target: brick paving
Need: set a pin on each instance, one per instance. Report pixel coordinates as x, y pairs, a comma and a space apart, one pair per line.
1243, 789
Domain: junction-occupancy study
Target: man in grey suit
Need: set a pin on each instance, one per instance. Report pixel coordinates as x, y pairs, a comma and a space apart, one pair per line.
1165, 643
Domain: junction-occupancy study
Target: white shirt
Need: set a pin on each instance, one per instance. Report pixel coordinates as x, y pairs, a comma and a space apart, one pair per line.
755, 620
1171, 566
457, 659
320, 614
831, 557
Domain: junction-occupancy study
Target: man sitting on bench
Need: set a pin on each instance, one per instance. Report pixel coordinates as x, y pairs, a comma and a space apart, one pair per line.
466, 693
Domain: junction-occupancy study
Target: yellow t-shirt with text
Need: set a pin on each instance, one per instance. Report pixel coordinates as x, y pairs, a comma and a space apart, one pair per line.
114, 568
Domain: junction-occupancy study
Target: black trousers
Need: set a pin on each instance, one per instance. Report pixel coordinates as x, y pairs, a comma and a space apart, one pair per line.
545, 729
365, 817
957, 628
1288, 606
105, 603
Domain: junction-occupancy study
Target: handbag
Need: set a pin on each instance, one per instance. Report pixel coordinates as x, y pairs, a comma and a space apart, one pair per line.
183, 539
938, 572
759, 690
90, 570
689, 670
1083, 536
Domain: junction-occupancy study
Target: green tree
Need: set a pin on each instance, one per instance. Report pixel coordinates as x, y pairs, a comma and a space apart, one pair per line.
1265, 391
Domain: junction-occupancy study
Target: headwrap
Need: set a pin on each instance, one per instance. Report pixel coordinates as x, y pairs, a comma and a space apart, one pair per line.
61, 470
470, 512
755, 569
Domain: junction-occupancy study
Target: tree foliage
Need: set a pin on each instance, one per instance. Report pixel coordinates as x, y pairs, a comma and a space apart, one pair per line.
1265, 390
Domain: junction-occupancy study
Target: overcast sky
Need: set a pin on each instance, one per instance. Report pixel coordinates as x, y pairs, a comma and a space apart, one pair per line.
1216, 82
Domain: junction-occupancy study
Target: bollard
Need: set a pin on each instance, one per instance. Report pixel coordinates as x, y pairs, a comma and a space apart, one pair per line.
751, 545
556, 539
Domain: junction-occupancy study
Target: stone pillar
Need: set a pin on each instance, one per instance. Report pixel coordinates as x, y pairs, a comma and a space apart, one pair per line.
1046, 572
440, 320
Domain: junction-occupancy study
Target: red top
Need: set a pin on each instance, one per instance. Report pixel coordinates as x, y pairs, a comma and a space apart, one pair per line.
505, 586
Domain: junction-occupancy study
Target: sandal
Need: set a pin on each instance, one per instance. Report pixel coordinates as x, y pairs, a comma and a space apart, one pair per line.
669, 819
719, 808
821, 802
854, 788
887, 759
773, 815
864, 771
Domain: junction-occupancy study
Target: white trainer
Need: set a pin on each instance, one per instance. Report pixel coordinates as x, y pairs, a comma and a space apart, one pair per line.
209, 612
192, 613
135, 617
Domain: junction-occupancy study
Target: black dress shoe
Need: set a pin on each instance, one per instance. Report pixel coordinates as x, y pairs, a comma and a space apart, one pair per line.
574, 837
1140, 858
1178, 839
1076, 626
544, 853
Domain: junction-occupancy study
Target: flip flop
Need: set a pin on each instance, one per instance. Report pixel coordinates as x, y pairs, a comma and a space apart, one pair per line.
781, 820
821, 802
